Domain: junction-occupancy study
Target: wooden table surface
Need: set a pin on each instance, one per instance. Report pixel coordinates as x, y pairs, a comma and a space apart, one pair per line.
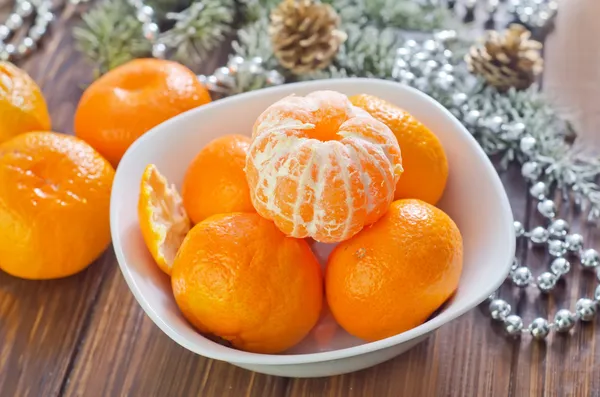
86, 336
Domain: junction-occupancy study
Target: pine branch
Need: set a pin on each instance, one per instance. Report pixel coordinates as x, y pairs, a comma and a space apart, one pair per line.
198, 29
110, 35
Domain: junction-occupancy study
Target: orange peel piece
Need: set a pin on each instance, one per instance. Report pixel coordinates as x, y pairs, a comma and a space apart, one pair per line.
162, 217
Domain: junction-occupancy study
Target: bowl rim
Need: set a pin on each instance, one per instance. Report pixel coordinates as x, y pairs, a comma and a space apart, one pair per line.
242, 357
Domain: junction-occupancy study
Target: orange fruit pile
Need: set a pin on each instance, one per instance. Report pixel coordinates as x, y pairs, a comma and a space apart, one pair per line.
423, 157
237, 276
131, 99
393, 275
22, 105
54, 205
224, 188
321, 166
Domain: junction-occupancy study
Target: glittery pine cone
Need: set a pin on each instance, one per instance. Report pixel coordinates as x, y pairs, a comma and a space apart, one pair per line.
507, 60
305, 35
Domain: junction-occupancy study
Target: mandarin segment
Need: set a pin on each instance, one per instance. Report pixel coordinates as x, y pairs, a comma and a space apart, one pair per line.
215, 181
423, 156
320, 167
54, 205
138, 96
393, 275
162, 218
238, 277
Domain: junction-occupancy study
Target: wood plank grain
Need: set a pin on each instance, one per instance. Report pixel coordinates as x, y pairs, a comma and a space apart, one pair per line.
468, 357
125, 354
41, 323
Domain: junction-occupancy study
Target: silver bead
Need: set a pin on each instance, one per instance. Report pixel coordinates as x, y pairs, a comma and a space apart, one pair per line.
4, 32
10, 49
564, 320
235, 63
557, 248
499, 309
531, 170
513, 325
445, 35
574, 242
590, 258
37, 32
202, 79
444, 80
539, 235
459, 98
519, 229
558, 228
256, 65
4, 56
407, 77
429, 67
145, 14
403, 53
419, 58
598, 273
546, 281
527, 144
538, 190
23, 8
539, 328
560, 267
448, 68
400, 64
150, 31
224, 77
547, 208
26, 46
159, 50
513, 130
44, 17
472, 117
14, 22
597, 294
494, 124
586, 309
275, 78
410, 44
522, 277
430, 45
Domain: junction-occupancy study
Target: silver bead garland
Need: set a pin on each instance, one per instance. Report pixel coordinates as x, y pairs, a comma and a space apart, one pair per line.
559, 243
41, 13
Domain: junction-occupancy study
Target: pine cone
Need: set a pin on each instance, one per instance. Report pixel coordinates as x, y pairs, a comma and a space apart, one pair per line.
507, 60
305, 35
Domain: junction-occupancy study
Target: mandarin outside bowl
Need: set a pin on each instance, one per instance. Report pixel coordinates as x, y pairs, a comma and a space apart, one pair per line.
474, 198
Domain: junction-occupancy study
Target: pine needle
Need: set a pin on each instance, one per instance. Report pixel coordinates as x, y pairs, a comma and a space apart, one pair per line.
198, 29
110, 36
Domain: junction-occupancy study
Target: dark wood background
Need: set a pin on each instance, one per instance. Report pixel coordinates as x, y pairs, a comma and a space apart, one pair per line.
86, 335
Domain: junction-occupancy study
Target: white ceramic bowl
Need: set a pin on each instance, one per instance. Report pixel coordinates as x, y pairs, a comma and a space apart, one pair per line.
474, 198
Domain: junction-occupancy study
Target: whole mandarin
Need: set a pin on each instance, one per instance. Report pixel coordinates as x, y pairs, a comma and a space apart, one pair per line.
54, 205
320, 167
22, 105
393, 275
423, 157
215, 182
238, 277
131, 99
